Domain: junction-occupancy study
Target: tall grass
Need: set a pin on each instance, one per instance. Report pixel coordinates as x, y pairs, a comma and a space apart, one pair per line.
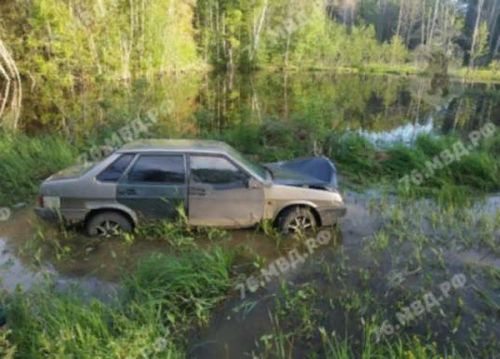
161, 301
24, 161
361, 163
185, 287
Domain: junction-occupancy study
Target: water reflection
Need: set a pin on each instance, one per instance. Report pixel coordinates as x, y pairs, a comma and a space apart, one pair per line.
405, 134
205, 105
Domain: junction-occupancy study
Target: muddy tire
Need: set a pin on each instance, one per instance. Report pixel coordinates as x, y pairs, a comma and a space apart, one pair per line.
297, 220
108, 224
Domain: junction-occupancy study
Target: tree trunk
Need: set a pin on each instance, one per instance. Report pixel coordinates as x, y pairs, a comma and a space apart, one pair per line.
422, 26
258, 30
13, 93
400, 16
433, 23
480, 4
287, 51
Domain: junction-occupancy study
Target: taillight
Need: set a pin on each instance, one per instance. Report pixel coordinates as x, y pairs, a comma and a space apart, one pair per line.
40, 201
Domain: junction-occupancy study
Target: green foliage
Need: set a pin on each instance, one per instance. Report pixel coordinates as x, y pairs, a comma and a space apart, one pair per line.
287, 34
481, 43
24, 161
162, 299
49, 325
184, 288
178, 233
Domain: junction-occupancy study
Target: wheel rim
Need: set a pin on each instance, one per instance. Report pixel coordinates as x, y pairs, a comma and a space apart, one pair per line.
300, 224
108, 229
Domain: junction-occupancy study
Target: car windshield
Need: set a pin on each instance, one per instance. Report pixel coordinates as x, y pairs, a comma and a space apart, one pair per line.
257, 169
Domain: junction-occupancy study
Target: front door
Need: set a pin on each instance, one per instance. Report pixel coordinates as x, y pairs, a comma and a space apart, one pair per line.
219, 194
155, 187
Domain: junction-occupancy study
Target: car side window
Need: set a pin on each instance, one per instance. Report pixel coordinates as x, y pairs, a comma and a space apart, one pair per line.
165, 169
115, 170
216, 171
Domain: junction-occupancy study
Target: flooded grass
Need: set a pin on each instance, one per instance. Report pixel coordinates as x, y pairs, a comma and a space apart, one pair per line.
335, 306
179, 300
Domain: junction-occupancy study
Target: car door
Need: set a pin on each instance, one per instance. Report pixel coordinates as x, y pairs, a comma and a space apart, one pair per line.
220, 195
155, 186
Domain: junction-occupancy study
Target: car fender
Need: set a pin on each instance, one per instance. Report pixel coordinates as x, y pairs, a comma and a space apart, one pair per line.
282, 206
99, 206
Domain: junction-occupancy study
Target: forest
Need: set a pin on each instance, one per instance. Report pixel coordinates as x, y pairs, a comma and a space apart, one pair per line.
80, 41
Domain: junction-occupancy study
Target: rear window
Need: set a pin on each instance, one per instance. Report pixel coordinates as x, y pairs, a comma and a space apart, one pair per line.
116, 169
166, 169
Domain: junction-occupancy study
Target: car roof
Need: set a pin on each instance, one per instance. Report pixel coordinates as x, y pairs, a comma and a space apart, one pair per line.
152, 145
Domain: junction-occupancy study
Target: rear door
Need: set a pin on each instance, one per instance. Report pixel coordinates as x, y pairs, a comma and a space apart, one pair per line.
155, 186
219, 194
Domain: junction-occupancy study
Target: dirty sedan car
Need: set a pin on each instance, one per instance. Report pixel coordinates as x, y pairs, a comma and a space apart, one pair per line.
217, 186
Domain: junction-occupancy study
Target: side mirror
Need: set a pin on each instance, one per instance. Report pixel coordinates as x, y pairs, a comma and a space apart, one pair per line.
254, 184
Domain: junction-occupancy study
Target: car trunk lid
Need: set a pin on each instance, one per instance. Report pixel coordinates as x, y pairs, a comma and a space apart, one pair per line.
72, 172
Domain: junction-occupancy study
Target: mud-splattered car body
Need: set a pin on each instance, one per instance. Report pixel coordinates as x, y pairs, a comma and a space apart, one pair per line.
215, 184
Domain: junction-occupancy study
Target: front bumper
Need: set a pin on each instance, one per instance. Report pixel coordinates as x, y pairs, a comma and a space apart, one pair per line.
330, 216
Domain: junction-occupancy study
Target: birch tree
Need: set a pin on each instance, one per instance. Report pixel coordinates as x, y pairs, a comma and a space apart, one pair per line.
11, 97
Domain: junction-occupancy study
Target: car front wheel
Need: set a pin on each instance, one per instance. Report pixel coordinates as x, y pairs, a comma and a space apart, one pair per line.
108, 224
297, 220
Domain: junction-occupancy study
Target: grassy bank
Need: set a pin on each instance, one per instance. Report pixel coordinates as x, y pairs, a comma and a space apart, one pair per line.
460, 73
361, 163
25, 161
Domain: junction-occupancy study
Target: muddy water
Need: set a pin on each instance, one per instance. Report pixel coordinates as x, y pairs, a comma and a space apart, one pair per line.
95, 265
20, 270
237, 329
240, 323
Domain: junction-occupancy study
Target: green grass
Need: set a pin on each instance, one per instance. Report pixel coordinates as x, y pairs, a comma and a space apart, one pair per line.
178, 233
25, 161
360, 163
164, 298
336, 307
363, 164
481, 74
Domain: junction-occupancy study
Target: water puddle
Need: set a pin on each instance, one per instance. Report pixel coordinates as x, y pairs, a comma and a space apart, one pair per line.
14, 273
94, 265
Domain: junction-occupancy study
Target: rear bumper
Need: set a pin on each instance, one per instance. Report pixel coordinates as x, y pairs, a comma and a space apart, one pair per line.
330, 216
48, 215
66, 216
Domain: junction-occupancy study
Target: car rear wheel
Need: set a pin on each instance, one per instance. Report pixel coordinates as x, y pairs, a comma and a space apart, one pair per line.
297, 220
108, 224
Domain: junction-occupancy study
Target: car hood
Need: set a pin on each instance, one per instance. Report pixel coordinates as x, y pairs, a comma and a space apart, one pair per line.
314, 172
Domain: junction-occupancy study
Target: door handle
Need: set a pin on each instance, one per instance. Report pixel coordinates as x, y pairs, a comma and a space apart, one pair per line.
128, 191
197, 191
